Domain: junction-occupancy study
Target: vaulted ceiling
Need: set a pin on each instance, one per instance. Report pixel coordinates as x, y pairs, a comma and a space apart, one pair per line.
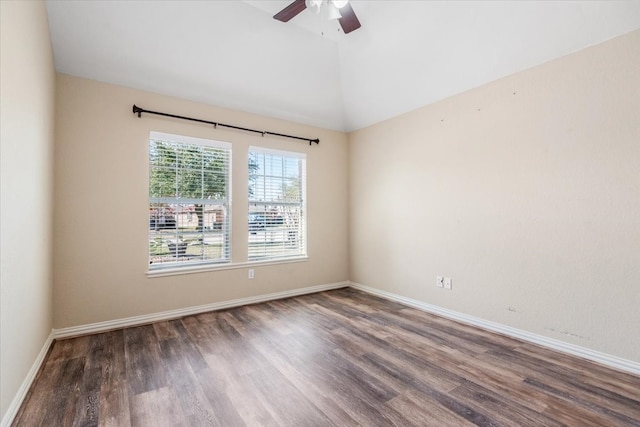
407, 54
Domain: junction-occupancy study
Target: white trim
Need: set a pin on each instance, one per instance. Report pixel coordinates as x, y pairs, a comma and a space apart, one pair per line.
14, 407
274, 152
200, 268
564, 347
109, 325
190, 140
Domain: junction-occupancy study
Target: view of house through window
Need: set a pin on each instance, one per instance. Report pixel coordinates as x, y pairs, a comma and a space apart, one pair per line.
276, 204
188, 201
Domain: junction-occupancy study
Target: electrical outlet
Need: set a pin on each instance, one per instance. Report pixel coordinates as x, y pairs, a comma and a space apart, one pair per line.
447, 283
439, 281
251, 273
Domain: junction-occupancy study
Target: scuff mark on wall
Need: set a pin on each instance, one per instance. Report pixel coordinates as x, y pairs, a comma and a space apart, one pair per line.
569, 334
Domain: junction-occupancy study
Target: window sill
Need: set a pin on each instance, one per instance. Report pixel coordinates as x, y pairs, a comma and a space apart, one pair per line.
177, 271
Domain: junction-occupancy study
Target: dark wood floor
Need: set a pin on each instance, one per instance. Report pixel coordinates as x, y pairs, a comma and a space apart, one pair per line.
340, 358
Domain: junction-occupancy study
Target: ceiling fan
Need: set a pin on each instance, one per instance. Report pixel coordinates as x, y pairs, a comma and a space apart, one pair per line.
336, 9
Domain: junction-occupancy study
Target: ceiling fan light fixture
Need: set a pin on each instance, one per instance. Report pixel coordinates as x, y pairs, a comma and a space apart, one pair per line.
340, 3
333, 12
313, 5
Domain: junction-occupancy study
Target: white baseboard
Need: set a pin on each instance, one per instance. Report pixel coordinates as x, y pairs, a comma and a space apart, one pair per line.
14, 407
110, 325
595, 356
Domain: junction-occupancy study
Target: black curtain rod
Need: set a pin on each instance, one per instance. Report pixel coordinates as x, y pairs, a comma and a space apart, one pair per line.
137, 110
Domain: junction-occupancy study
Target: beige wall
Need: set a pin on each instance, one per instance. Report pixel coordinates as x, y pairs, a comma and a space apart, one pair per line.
101, 209
525, 191
27, 122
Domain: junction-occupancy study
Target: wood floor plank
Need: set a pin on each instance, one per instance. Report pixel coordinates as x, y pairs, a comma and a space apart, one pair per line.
52, 398
239, 391
504, 408
335, 358
421, 412
87, 404
165, 330
145, 371
224, 411
114, 395
183, 381
503, 381
66, 349
157, 407
286, 405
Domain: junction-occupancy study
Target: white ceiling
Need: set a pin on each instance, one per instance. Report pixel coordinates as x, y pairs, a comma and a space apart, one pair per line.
407, 54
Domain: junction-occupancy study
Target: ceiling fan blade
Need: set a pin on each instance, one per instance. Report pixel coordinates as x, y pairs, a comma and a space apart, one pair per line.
290, 11
349, 21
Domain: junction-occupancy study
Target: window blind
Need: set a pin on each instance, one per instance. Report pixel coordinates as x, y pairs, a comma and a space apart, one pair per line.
189, 182
277, 211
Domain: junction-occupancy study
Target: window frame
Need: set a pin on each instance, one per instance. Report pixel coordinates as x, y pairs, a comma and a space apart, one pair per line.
300, 230
176, 200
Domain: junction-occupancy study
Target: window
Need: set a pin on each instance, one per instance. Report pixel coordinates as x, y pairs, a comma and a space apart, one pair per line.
189, 184
276, 204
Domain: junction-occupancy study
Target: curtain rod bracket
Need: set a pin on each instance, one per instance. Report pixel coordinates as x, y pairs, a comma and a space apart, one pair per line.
137, 110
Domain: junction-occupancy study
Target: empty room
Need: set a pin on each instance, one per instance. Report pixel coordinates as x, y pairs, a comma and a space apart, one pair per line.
320, 213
